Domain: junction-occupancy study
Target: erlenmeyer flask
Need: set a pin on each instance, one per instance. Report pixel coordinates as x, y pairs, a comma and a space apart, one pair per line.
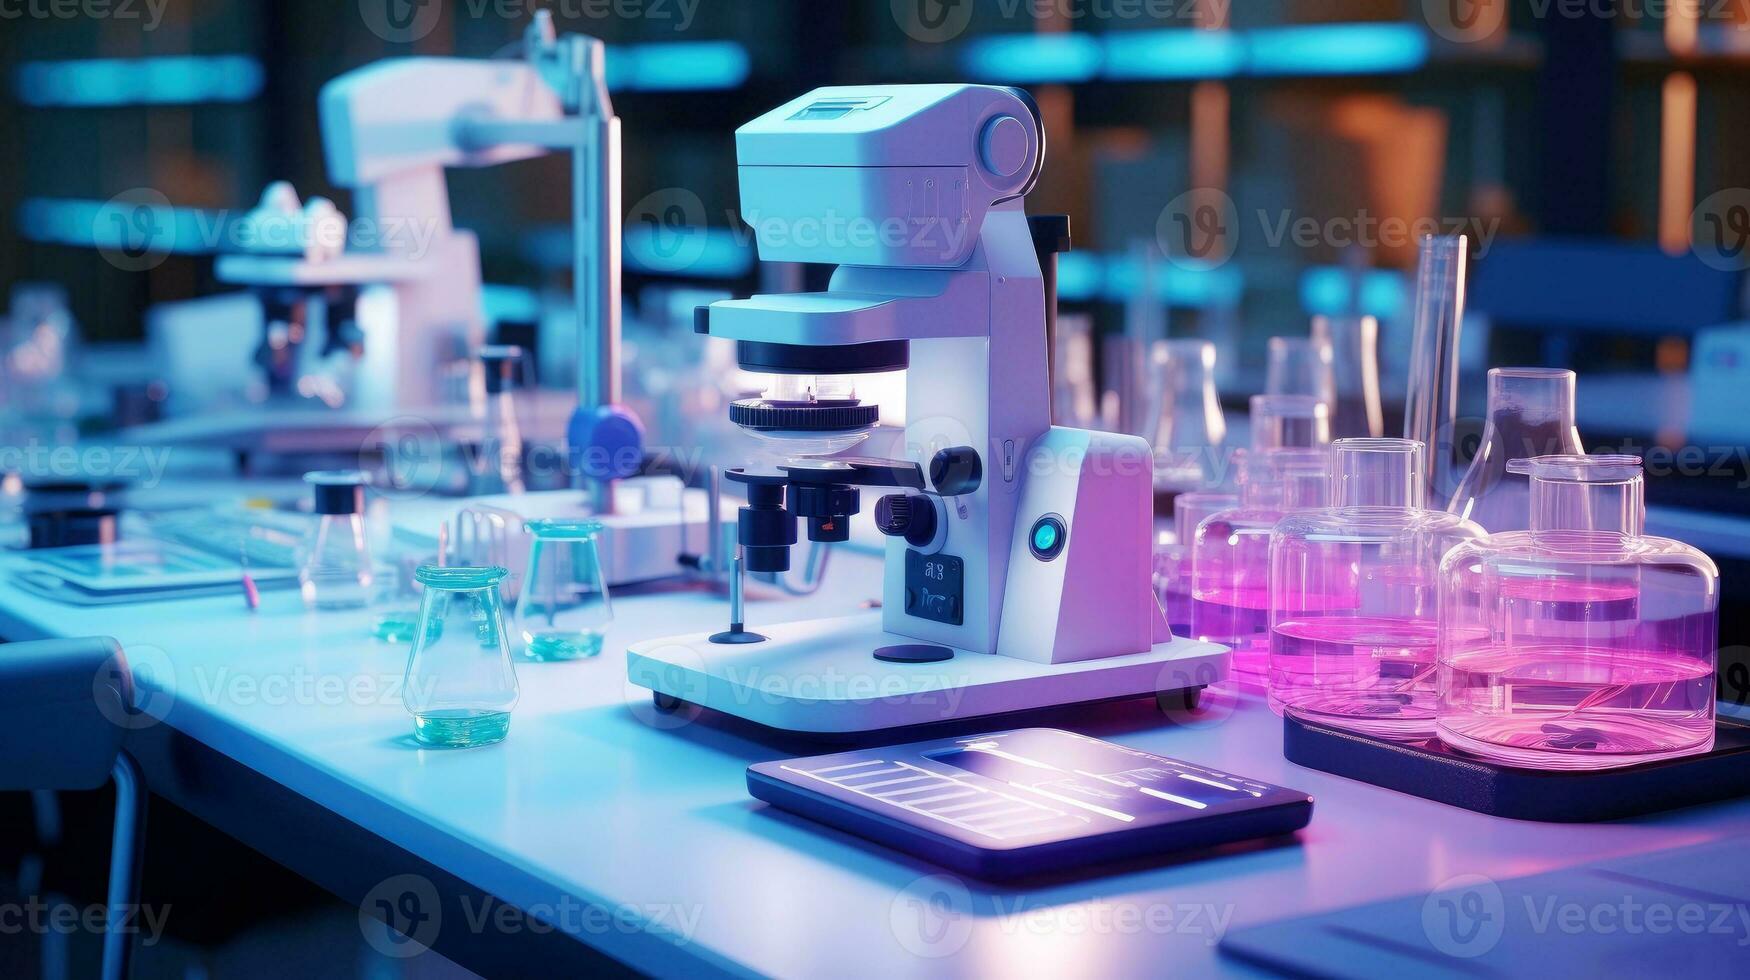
1302, 366
460, 685
1289, 422
563, 612
1356, 411
1530, 414
1191, 432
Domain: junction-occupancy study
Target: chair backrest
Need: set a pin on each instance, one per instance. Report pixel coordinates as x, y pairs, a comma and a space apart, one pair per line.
65, 705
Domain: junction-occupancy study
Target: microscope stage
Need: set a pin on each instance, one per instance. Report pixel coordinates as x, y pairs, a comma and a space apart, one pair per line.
822, 677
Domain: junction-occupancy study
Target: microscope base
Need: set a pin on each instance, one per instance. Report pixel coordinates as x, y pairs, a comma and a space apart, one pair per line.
821, 677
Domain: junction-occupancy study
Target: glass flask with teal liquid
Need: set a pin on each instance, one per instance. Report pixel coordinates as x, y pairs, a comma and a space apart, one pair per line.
563, 612
460, 685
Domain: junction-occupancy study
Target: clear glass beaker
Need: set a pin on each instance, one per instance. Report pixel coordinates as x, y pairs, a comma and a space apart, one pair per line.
1580, 643
1191, 431
1353, 602
1173, 559
335, 572
1530, 414
460, 685
1357, 411
1230, 557
563, 611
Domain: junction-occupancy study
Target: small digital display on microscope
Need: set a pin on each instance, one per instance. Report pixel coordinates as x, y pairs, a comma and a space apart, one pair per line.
835, 108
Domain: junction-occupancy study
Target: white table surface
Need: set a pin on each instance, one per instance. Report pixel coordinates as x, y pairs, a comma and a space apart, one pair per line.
594, 798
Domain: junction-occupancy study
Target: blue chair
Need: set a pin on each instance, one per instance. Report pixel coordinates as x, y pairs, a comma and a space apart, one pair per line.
67, 704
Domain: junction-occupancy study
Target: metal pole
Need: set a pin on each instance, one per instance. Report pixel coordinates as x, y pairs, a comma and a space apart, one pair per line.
596, 174
126, 850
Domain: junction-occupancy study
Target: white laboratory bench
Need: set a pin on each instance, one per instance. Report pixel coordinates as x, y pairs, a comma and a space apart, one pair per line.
594, 799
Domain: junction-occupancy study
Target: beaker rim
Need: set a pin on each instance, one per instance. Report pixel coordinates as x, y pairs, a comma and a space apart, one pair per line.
460, 578
564, 527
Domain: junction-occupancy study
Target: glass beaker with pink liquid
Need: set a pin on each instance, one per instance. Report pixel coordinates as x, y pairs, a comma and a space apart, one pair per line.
1353, 622
1582, 643
1230, 553
1173, 559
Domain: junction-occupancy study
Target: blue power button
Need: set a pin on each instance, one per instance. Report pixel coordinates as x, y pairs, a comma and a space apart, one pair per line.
1047, 537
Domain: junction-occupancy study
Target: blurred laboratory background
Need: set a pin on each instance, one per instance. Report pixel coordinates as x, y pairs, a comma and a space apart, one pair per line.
1231, 171
1254, 178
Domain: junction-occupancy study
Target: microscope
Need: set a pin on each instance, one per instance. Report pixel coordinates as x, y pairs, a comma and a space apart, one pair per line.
1017, 572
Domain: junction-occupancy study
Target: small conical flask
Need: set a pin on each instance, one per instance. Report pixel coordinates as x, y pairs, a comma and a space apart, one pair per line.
1530, 414
1191, 432
563, 611
336, 572
1301, 366
460, 685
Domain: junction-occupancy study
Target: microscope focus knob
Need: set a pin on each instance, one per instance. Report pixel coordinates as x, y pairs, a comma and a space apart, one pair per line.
907, 515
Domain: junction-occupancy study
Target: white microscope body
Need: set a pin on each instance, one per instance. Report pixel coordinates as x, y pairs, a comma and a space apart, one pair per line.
1018, 576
